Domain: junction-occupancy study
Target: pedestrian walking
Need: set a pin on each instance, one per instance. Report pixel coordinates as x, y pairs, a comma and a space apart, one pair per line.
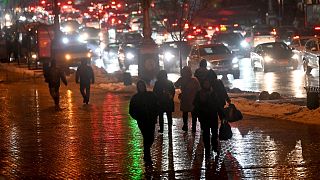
220, 91
189, 86
53, 77
202, 72
164, 90
206, 108
85, 74
144, 108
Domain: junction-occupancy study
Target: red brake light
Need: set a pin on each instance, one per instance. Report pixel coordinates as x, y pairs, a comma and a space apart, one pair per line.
190, 37
317, 28
210, 27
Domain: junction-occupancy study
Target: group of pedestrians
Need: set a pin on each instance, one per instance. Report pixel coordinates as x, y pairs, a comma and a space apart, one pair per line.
84, 74
204, 96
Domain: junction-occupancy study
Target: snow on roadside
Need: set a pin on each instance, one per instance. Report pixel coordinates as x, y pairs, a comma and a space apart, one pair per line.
286, 111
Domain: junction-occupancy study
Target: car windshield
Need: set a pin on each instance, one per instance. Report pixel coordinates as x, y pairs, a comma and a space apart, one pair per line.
275, 47
228, 37
214, 50
131, 37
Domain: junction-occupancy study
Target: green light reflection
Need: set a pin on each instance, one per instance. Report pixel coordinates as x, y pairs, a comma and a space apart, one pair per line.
135, 150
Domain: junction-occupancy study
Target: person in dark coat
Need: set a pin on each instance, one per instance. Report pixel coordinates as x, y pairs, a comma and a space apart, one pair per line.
164, 90
53, 77
206, 107
86, 76
220, 90
144, 108
189, 87
202, 72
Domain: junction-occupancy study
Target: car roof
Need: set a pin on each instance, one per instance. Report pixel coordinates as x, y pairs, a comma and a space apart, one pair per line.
209, 45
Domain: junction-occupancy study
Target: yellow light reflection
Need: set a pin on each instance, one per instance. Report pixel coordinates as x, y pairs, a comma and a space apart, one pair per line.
269, 82
70, 107
298, 79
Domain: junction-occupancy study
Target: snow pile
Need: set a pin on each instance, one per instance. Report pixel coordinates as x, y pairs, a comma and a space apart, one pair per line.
278, 111
117, 87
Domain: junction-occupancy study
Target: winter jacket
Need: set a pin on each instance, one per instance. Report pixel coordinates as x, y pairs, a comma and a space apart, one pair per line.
54, 75
164, 90
201, 74
144, 107
206, 106
189, 87
220, 90
85, 74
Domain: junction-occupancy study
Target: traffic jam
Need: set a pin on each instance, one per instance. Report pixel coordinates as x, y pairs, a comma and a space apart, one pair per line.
109, 34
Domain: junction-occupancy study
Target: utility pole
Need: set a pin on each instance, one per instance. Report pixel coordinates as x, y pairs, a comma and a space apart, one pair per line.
148, 62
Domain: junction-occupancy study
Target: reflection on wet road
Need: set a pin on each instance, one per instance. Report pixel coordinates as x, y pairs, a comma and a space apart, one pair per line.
101, 141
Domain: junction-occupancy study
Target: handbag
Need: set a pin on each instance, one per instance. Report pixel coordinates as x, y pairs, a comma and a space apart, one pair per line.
225, 131
232, 114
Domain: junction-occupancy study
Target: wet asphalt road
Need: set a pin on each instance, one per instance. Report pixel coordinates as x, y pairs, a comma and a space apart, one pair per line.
100, 141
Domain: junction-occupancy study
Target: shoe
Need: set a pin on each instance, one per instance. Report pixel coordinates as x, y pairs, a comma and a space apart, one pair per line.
185, 128
84, 101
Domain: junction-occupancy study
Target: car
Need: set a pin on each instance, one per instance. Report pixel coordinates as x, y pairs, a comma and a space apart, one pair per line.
271, 55
219, 58
130, 38
88, 34
234, 41
71, 55
197, 36
260, 34
128, 55
169, 54
286, 34
297, 45
311, 54
111, 51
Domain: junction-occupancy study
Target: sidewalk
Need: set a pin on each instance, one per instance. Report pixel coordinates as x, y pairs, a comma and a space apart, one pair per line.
289, 109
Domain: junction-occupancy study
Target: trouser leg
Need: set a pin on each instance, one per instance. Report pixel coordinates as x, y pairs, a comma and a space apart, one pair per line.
161, 122
88, 93
194, 121
214, 134
169, 117
185, 121
82, 91
206, 139
54, 92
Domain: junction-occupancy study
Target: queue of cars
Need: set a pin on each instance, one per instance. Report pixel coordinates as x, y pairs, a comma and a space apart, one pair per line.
266, 47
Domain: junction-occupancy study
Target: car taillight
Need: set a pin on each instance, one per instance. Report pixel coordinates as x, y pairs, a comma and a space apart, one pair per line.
317, 28
207, 36
190, 37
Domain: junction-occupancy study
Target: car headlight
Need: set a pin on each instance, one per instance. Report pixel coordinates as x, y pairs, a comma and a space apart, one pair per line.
34, 56
168, 56
287, 43
84, 36
235, 60
244, 44
226, 44
129, 55
89, 54
67, 56
268, 58
295, 56
65, 40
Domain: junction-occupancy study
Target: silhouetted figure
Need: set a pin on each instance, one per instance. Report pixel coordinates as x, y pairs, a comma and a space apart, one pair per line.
202, 72
206, 107
189, 87
53, 77
220, 90
86, 76
144, 108
164, 90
